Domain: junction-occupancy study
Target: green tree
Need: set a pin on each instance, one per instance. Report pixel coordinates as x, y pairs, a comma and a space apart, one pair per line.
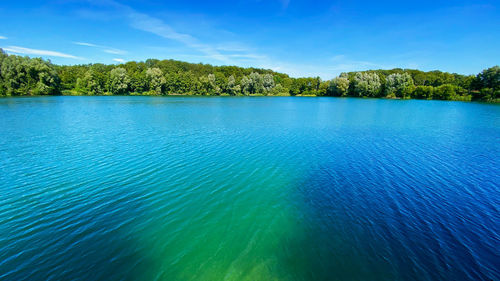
399, 85
35, 76
90, 84
268, 83
486, 94
366, 84
278, 90
422, 92
220, 82
252, 84
338, 86
232, 87
490, 78
25, 76
119, 81
323, 88
246, 85
155, 80
3, 56
444, 92
209, 85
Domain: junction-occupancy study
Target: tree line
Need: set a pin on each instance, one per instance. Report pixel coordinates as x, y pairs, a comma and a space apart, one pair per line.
35, 76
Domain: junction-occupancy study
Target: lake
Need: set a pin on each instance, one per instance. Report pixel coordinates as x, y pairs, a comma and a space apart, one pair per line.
236, 188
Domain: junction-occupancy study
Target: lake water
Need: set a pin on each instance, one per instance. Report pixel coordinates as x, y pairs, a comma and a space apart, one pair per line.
200, 188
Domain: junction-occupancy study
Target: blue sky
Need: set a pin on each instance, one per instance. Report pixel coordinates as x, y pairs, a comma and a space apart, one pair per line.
301, 38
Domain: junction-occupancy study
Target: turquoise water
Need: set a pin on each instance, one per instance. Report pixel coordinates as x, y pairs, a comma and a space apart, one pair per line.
194, 188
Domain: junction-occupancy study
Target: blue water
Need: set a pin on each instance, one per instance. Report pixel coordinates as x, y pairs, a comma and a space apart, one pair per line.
284, 188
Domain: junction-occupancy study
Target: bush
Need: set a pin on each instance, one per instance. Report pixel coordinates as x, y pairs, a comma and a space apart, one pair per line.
422, 92
444, 92
484, 94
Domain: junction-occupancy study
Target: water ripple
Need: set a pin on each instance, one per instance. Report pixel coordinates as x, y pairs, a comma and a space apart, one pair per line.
144, 188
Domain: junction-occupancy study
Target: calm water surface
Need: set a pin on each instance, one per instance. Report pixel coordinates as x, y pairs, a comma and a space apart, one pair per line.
192, 188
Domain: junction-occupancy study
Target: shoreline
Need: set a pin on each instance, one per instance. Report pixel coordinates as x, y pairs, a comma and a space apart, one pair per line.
255, 96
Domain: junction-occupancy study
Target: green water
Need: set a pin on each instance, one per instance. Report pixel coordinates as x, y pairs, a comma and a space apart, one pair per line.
190, 188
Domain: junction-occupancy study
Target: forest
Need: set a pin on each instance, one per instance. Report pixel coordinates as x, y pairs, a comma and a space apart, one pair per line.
21, 76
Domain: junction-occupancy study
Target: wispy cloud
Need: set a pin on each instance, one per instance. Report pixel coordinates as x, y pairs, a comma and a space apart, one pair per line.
153, 25
342, 63
85, 44
232, 47
115, 51
326, 69
28, 51
224, 52
158, 27
105, 49
3, 38
119, 60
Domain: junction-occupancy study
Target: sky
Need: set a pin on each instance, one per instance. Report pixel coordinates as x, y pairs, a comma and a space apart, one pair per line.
300, 38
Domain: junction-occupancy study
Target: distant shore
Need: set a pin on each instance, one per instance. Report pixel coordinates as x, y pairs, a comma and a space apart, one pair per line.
22, 76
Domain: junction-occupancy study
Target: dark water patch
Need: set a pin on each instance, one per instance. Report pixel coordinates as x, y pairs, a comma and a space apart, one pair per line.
395, 214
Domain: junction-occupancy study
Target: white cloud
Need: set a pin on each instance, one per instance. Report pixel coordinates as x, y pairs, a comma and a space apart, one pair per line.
326, 70
232, 47
28, 51
119, 60
115, 51
85, 44
105, 49
158, 27
144, 22
228, 53
3, 38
